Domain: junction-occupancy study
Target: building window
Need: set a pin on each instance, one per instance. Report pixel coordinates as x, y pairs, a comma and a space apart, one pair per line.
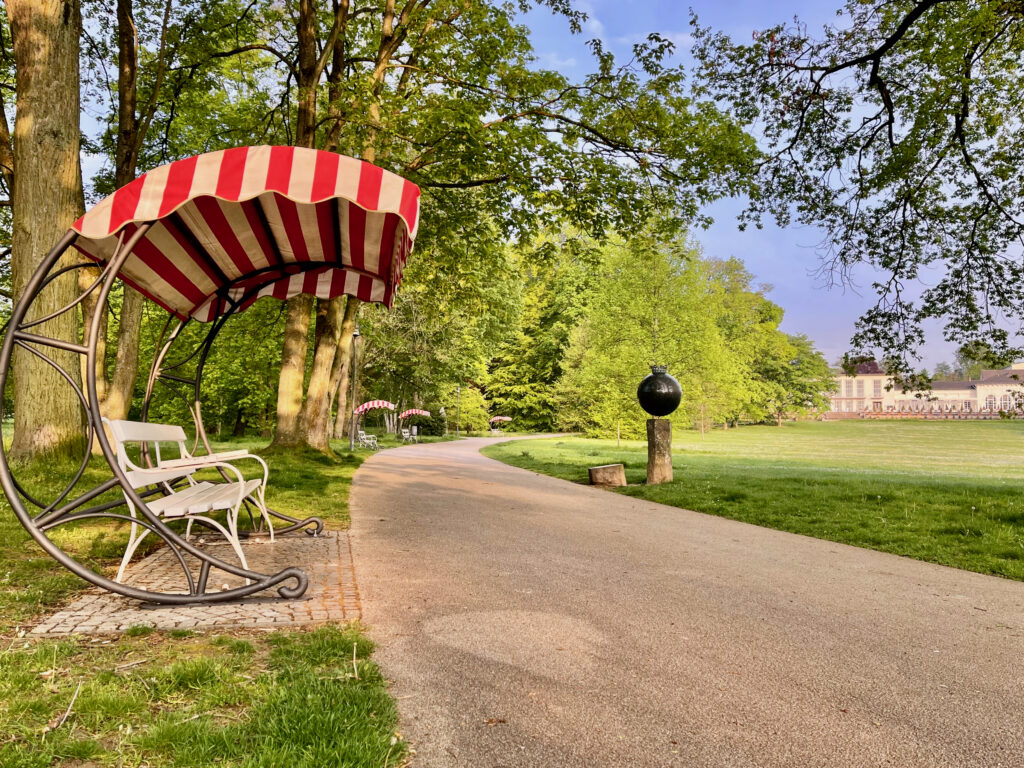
990, 403
860, 387
876, 388
1007, 403
848, 388
861, 405
848, 406
967, 406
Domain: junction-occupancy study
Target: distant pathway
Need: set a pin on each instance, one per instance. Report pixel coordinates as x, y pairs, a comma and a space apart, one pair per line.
527, 621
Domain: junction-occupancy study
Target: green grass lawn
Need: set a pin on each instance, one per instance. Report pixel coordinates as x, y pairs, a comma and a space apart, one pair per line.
946, 492
246, 699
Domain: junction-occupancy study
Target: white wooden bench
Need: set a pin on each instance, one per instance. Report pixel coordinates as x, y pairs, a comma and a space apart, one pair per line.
367, 440
190, 502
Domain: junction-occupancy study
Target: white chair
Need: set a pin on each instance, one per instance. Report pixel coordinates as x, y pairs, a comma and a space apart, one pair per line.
367, 440
407, 436
192, 501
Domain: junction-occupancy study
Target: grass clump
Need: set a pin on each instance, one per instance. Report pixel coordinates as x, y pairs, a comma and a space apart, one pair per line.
290, 699
945, 492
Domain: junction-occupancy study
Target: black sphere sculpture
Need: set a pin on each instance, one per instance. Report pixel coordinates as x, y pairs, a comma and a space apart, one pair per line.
659, 393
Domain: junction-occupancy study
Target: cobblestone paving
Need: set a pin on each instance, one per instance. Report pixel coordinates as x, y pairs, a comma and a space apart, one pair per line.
332, 595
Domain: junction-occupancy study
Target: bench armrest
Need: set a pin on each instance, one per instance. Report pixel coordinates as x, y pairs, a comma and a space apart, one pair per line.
202, 461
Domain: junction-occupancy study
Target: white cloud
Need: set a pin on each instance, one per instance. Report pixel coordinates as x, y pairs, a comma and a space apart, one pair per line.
682, 40
593, 24
556, 62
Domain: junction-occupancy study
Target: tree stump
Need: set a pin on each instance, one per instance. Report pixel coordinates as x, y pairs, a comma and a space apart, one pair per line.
608, 474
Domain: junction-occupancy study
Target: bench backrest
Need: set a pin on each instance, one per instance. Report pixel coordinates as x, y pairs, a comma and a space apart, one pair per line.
124, 431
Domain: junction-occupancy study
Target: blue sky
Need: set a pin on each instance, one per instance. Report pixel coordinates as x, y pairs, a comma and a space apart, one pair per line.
784, 258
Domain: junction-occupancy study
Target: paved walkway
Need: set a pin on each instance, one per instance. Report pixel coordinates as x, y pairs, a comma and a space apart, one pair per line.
331, 596
526, 621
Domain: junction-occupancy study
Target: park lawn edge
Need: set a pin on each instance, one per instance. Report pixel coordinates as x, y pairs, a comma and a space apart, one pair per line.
969, 521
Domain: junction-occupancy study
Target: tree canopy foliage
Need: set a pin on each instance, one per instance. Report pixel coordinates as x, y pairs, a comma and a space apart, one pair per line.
534, 239
897, 130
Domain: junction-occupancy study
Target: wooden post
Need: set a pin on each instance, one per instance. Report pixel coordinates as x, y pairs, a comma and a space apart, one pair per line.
659, 451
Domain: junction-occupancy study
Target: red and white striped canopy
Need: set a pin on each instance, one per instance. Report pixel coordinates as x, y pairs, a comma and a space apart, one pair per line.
372, 405
234, 225
500, 418
413, 412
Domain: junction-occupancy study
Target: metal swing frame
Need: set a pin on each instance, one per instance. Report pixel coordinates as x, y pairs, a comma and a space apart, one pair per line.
290, 582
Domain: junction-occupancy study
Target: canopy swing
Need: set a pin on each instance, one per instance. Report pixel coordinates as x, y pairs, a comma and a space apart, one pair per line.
203, 238
412, 412
373, 405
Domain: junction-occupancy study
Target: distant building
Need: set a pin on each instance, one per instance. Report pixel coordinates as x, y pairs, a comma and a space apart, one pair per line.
869, 394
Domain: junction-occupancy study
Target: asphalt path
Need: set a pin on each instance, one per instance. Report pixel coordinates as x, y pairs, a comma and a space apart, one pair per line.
527, 621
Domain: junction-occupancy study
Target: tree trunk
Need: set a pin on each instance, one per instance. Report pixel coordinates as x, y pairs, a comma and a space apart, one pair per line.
126, 364
339, 370
293, 369
317, 410
45, 198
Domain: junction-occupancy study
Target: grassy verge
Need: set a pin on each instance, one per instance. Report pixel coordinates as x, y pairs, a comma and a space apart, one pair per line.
180, 698
945, 492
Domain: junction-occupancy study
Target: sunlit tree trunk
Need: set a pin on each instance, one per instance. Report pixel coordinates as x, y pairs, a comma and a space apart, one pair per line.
316, 411
293, 369
46, 198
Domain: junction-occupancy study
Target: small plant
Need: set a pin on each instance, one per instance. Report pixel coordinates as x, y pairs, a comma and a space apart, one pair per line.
139, 630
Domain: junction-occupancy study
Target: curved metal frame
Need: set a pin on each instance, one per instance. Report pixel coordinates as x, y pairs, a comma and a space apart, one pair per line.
290, 582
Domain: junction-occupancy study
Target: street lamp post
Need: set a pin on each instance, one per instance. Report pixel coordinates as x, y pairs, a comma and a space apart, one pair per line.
355, 372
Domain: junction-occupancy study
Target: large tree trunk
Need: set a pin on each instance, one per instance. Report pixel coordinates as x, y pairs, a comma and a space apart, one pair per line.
328, 362
293, 369
316, 412
45, 196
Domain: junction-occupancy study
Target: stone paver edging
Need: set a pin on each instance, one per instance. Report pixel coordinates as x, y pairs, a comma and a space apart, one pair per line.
332, 595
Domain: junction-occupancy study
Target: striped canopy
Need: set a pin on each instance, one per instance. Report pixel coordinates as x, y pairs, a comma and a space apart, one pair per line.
372, 405
234, 225
500, 418
413, 412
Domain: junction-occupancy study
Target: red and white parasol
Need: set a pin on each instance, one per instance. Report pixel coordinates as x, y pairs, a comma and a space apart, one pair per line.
413, 412
234, 225
500, 418
373, 405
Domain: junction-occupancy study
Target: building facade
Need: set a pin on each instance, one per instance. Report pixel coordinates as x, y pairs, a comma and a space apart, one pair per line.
869, 393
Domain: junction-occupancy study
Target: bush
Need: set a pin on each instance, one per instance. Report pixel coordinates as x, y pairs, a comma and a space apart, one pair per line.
429, 425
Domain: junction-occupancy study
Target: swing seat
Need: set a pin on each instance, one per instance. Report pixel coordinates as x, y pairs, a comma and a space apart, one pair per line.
193, 500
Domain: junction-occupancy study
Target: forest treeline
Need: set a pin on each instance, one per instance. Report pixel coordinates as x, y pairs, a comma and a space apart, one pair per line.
555, 333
